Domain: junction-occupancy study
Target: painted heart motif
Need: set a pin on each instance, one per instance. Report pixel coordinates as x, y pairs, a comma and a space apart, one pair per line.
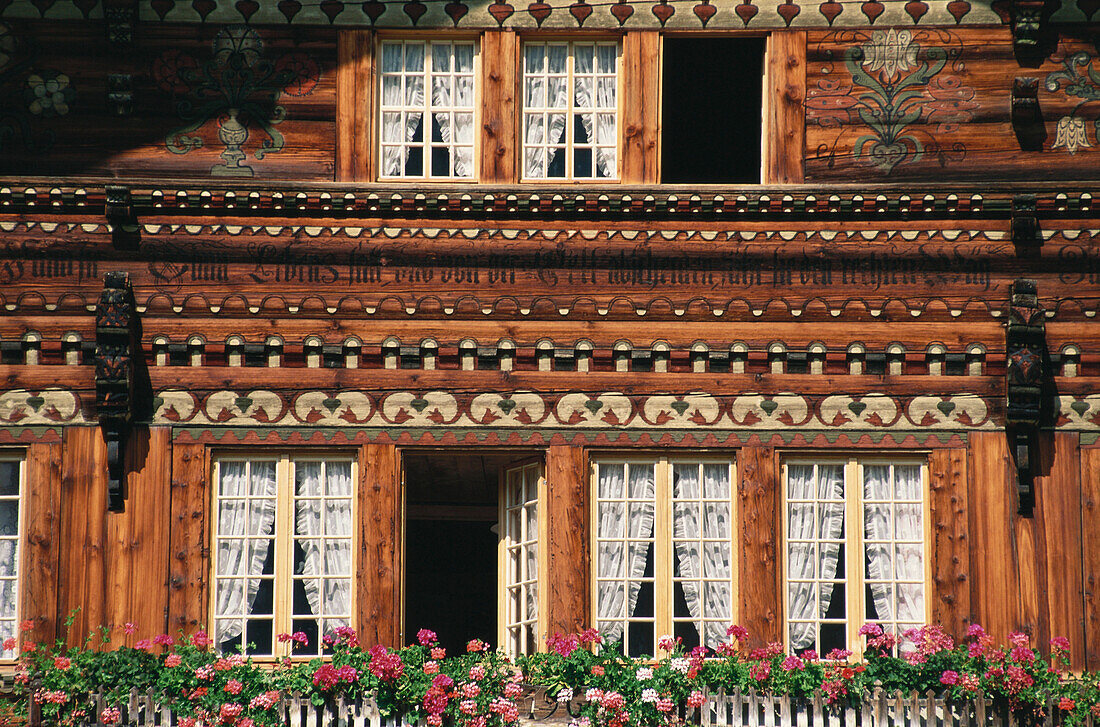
768, 406
593, 406
946, 407
419, 404
680, 407
1080, 407
506, 406
35, 402
856, 407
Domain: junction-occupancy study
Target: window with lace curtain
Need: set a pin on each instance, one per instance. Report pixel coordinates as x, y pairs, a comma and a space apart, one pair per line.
663, 560
282, 556
570, 110
855, 550
426, 106
11, 488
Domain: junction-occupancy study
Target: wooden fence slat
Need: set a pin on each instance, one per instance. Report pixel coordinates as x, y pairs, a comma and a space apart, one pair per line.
754, 708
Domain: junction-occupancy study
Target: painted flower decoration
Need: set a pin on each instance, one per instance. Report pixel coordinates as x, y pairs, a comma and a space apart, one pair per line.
7, 46
300, 71
49, 93
1071, 135
890, 51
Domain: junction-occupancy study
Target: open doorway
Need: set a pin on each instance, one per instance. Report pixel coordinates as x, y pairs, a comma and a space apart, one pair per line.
452, 544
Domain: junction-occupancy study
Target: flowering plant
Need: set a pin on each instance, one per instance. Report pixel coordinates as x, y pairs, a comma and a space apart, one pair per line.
480, 687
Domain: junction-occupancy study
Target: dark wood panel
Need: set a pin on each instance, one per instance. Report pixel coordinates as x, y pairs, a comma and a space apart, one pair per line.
82, 583
380, 512
994, 581
42, 553
1090, 539
641, 107
785, 111
567, 528
949, 550
499, 143
189, 552
1058, 509
760, 607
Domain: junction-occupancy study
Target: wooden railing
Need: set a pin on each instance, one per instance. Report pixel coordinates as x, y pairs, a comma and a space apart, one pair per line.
736, 709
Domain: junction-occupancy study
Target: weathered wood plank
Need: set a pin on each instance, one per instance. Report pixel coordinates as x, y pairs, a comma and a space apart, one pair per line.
354, 105
993, 551
760, 608
949, 549
567, 559
641, 107
1090, 562
1058, 502
380, 505
138, 538
499, 60
42, 548
83, 567
189, 539
784, 110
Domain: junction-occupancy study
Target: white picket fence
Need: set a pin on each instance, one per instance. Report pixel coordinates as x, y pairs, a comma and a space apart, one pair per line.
883, 709
735, 709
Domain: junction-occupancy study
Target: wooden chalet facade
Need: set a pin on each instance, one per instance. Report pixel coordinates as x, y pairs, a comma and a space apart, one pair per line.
512, 318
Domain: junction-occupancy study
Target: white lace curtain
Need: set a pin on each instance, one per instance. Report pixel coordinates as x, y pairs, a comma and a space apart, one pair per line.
602, 130
811, 527
9, 564
246, 507
395, 125
454, 125
618, 570
887, 559
701, 534
544, 87
322, 528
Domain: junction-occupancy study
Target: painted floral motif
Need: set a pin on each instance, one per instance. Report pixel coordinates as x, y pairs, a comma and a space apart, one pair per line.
49, 94
240, 87
891, 51
1070, 134
900, 84
1077, 79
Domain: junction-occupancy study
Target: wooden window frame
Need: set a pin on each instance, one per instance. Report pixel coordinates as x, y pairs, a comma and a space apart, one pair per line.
376, 125
283, 540
508, 548
854, 541
663, 537
19, 457
570, 112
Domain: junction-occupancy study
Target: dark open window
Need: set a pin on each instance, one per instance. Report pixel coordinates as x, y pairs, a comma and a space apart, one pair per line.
711, 120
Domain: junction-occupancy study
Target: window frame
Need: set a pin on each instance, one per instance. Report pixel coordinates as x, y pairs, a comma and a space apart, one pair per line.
376, 122
540, 539
571, 111
18, 456
282, 577
664, 555
854, 561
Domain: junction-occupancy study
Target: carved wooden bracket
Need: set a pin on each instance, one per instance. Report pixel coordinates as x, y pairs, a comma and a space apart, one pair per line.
1026, 235
120, 93
119, 210
1027, 116
1025, 344
121, 16
118, 336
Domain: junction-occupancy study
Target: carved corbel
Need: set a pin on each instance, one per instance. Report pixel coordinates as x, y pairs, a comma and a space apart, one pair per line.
120, 93
1026, 235
1027, 116
121, 16
118, 339
119, 210
1025, 344
1029, 39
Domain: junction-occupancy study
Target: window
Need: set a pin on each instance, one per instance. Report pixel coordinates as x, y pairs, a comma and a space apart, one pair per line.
11, 479
663, 560
519, 545
711, 110
427, 109
282, 551
570, 110
855, 550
